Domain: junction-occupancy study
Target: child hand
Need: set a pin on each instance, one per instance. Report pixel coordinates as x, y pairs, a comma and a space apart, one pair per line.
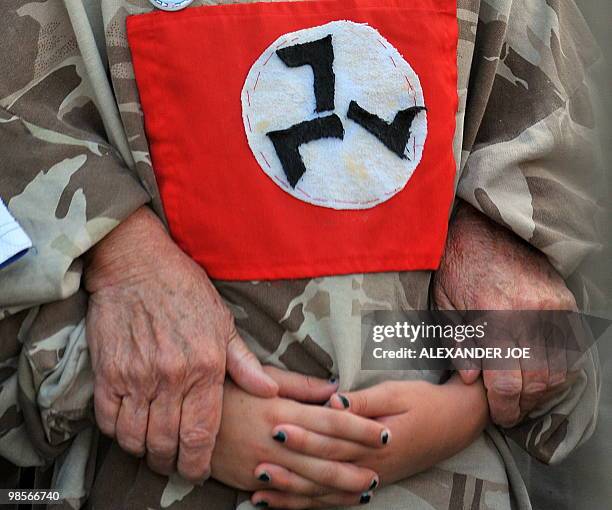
427, 423
249, 453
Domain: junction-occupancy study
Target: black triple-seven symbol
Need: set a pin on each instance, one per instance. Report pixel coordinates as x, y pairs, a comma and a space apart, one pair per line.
319, 55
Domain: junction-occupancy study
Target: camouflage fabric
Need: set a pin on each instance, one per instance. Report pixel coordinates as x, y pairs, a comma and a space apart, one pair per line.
75, 163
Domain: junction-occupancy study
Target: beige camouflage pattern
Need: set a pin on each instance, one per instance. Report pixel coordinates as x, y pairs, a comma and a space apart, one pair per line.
74, 163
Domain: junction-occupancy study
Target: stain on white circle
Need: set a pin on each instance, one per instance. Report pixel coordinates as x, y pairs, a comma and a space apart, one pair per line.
335, 116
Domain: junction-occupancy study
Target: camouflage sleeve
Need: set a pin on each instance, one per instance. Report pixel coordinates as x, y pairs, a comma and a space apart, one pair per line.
61, 178
551, 433
531, 163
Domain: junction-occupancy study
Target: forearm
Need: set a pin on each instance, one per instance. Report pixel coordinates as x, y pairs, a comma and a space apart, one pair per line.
455, 416
465, 413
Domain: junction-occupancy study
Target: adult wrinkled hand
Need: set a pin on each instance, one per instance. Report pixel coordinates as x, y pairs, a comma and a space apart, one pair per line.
161, 340
487, 267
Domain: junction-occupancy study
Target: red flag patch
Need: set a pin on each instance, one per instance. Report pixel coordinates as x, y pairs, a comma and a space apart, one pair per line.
302, 139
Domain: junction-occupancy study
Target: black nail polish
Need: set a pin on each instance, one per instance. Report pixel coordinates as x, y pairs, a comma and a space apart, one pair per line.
280, 436
262, 504
264, 477
345, 401
384, 437
374, 484
365, 498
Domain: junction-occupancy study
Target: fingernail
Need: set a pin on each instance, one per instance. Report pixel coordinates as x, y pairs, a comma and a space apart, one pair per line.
262, 504
264, 477
366, 497
373, 485
345, 401
385, 437
280, 436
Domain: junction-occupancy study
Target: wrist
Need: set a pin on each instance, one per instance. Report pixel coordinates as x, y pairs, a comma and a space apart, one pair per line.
466, 408
130, 252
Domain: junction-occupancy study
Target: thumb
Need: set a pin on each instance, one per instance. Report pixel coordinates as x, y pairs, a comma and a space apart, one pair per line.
374, 402
302, 388
469, 376
246, 370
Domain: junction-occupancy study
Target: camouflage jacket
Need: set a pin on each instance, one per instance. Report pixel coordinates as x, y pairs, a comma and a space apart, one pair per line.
74, 163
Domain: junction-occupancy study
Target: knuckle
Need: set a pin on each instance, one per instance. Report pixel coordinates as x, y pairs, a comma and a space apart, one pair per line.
132, 371
314, 383
197, 438
329, 475
359, 404
537, 386
161, 448
507, 386
105, 421
315, 491
105, 427
276, 417
331, 422
394, 388
107, 372
534, 391
329, 450
105, 412
172, 372
209, 363
260, 450
557, 380
131, 444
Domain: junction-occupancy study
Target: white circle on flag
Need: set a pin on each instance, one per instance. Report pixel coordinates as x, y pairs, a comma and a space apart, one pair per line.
359, 171
170, 5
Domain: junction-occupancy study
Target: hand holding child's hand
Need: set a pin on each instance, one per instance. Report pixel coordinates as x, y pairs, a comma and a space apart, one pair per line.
487, 267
